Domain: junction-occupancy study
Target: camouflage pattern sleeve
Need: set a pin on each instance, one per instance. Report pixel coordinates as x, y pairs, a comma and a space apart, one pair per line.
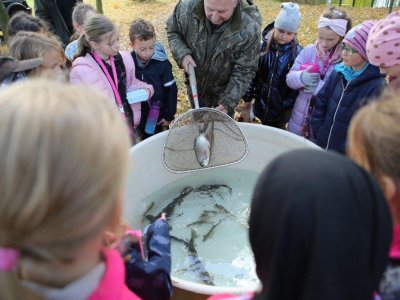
243, 71
176, 28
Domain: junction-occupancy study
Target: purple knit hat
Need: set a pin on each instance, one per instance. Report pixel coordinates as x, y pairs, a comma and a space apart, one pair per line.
357, 37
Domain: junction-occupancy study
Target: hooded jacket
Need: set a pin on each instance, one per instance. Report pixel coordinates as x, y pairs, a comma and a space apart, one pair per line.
158, 73
337, 102
272, 95
224, 74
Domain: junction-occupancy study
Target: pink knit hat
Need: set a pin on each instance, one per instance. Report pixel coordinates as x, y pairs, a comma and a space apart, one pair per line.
357, 37
383, 46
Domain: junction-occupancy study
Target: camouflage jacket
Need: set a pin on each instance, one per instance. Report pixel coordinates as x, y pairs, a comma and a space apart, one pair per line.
224, 75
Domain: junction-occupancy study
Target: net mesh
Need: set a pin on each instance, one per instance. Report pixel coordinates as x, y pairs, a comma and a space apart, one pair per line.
228, 144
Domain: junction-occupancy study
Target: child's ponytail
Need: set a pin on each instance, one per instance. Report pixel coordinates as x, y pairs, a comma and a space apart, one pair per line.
83, 46
95, 28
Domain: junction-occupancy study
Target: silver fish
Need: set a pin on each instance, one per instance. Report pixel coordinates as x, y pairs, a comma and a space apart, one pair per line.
202, 150
203, 143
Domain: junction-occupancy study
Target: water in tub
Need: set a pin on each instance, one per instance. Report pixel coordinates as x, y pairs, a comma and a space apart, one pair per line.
208, 216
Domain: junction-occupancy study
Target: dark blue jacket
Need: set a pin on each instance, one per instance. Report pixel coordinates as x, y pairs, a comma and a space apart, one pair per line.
272, 95
158, 73
336, 103
150, 278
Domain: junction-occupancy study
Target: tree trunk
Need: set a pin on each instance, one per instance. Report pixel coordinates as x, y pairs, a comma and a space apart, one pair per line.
99, 6
3, 20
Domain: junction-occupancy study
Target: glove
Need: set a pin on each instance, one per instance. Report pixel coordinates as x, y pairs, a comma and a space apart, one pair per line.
310, 79
310, 89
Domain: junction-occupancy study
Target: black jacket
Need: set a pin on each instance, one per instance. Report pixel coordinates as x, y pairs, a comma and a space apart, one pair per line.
158, 73
269, 89
60, 21
337, 102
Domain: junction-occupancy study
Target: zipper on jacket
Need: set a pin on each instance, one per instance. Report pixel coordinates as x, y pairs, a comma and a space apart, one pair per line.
270, 82
334, 116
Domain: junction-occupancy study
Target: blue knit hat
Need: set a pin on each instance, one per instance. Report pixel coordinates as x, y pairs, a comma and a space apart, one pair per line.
289, 17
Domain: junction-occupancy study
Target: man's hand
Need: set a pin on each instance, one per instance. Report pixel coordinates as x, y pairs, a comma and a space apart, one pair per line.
222, 108
188, 59
164, 123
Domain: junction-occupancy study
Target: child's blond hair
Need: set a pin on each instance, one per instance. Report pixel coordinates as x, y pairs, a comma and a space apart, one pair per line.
64, 156
374, 136
95, 29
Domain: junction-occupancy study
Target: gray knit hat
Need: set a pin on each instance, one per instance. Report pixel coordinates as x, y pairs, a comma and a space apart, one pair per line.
289, 17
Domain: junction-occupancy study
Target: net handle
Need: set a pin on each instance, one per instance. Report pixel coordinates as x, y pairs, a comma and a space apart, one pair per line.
193, 86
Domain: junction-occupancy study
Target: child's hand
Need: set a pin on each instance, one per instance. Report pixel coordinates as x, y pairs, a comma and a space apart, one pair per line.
310, 79
164, 123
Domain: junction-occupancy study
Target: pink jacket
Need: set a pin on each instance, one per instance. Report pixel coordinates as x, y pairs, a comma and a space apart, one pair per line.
300, 109
85, 70
112, 285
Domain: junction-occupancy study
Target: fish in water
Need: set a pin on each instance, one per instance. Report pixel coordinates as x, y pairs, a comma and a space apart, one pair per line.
196, 265
203, 143
209, 233
169, 209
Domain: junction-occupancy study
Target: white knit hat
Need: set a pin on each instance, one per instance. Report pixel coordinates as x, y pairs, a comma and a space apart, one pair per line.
289, 17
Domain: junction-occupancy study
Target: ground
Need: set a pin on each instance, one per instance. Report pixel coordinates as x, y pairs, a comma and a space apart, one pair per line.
123, 12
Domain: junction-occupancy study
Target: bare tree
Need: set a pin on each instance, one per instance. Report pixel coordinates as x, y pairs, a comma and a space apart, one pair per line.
3, 20
99, 6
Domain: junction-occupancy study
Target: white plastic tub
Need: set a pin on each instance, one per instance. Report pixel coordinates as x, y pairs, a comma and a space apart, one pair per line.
147, 174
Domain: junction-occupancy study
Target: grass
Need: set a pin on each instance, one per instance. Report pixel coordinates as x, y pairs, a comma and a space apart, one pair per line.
123, 12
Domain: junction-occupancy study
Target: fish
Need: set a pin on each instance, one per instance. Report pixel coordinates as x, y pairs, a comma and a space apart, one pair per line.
196, 265
202, 150
222, 209
169, 209
203, 143
209, 233
204, 218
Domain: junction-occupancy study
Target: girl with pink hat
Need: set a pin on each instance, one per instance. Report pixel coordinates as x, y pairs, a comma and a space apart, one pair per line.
351, 85
383, 45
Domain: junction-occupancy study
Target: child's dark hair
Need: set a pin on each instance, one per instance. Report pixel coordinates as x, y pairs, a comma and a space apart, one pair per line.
21, 21
336, 13
141, 30
95, 28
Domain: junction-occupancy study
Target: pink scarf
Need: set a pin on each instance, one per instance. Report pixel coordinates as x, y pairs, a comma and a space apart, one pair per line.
323, 55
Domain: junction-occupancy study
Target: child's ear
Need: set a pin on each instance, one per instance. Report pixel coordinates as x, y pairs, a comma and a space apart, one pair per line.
131, 44
94, 45
389, 187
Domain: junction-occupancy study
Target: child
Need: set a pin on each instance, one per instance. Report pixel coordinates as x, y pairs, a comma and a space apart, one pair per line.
21, 21
325, 237
313, 67
27, 45
383, 46
152, 66
63, 165
148, 275
12, 70
350, 86
274, 100
81, 13
101, 64
374, 137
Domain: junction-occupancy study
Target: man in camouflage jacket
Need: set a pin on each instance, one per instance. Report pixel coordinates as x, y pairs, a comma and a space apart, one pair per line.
221, 38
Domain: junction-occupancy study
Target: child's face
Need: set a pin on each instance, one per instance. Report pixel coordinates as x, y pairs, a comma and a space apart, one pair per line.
393, 71
352, 58
108, 45
52, 67
327, 38
144, 49
283, 37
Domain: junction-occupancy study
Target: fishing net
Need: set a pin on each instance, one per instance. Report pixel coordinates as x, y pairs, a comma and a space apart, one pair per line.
228, 144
